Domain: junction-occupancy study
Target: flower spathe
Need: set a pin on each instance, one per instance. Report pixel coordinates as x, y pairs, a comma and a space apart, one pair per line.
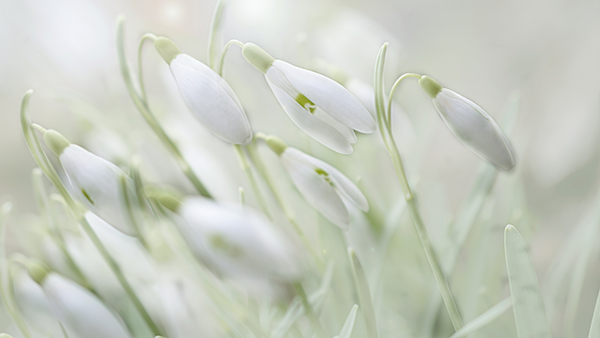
318, 105
208, 96
95, 181
324, 187
471, 125
79, 311
236, 242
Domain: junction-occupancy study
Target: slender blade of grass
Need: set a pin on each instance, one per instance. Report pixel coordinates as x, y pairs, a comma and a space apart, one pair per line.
364, 295
595, 326
349, 324
528, 307
483, 319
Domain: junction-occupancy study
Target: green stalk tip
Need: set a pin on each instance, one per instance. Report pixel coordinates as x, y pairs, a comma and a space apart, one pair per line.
276, 144
166, 48
56, 141
257, 57
430, 86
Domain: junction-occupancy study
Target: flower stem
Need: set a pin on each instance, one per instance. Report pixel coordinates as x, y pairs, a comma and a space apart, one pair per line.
44, 163
287, 211
5, 278
224, 52
119, 274
388, 138
215, 28
148, 36
310, 313
242, 157
143, 108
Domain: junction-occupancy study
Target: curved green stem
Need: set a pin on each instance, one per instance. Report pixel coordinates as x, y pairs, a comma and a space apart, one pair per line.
147, 114
420, 228
391, 96
147, 36
224, 52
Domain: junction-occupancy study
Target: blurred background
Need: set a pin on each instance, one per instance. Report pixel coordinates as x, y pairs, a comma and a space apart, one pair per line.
543, 56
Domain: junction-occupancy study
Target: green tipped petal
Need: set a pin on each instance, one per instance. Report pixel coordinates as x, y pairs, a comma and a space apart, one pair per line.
56, 141
166, 48
276, 144
430, 86
37, 270
257, 57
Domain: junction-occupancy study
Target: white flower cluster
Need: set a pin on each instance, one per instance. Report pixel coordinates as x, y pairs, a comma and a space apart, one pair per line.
131, 257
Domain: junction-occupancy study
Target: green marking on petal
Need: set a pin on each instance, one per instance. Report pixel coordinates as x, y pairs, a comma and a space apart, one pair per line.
325, 176
86, 195
306, 103
220, 243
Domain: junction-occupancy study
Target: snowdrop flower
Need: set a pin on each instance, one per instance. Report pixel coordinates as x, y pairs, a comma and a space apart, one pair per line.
318, 105
471, 125
80, 312
95, 181
237, 242
323, 186
208, 96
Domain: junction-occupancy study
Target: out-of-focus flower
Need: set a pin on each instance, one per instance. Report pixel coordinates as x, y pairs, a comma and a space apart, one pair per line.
318, 105
95, 181
471, 125
80, 312
237, 242
208, 96
323, 186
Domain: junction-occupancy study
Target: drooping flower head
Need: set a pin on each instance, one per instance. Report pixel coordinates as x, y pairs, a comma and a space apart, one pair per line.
95, 181
236, 242
323, 186
208, 96
471, 125
79, 311
318, 105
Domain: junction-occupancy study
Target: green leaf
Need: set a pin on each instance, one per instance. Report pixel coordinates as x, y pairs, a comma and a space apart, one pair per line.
595, 326
483, 319
528, 307
349, 324
364, 295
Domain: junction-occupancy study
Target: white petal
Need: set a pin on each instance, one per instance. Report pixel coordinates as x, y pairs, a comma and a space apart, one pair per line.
342, 183
348, 133
253, 247
475, 128
211, 100
82, 314
310, 124
316, 191
96, 182
331, 96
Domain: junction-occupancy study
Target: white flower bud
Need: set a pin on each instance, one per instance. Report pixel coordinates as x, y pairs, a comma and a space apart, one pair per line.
95, 181
318, 105
208, 96
79, 311
323, 186
471, 125
237, 242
